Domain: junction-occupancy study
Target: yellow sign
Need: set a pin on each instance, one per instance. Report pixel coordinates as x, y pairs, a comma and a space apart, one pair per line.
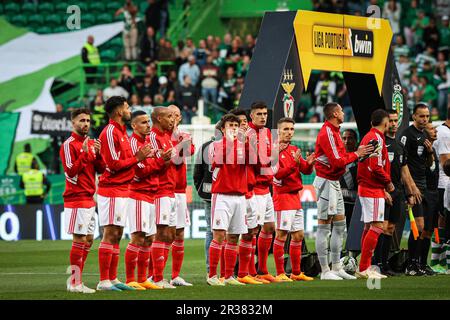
334, 42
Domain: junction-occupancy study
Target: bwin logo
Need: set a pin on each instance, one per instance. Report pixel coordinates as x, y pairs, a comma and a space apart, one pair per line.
363, 46
362, 43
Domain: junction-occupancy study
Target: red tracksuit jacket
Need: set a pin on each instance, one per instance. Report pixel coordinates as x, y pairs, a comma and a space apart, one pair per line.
79, 168
145, 182
374, 172
116, 152
330, 153
229, 178
287, 180
180, 168
167, 176
264, 147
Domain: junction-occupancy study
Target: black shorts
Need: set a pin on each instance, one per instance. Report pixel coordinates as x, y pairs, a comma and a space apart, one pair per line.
394, 212
418, 210
430, 209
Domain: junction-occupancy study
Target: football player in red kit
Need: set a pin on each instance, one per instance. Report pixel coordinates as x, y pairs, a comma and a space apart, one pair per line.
141, 208
113, 192
182, 142
287, 182
81, 161
228, 210
165, 203
374, 185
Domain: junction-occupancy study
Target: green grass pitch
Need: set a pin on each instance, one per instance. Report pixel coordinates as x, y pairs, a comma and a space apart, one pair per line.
36, 270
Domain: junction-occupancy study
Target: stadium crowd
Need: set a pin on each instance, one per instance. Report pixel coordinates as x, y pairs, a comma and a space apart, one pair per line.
214, 69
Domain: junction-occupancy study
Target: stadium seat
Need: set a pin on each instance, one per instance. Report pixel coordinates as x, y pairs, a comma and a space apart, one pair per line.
28, 8
1, 9
104, 18
11, 8
108, 56
96, 7
113, 6
46, 7
19, 20
35, 20
87, 20
43, 30
59, 29
143, 6
61, 7
53, 20
83, 7
115, 43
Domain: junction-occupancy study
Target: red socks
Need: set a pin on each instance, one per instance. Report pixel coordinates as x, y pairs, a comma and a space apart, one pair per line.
114, 262
76, 262
215, 250
222, 259
158, 260
295, 252
150, 263
131, 257
142, 263
368, 247
230, 259
251, 265
177, 257
264, 242
278, 255
87, 248
245, 253
105, 251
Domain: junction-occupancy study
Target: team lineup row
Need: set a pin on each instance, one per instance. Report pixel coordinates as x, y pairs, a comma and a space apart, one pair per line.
143, 183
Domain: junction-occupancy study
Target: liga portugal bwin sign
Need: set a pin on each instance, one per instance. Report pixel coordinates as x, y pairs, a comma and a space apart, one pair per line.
292, 45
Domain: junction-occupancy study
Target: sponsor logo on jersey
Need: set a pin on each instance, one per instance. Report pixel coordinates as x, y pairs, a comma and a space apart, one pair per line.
420, 150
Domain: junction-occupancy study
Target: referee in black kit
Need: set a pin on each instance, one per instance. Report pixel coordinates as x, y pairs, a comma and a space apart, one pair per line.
400, 176
419, 153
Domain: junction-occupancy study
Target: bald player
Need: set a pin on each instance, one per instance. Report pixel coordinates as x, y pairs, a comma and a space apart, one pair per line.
165, 203
182, 143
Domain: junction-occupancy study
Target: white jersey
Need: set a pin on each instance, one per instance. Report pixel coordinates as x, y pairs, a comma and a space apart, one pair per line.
442, 146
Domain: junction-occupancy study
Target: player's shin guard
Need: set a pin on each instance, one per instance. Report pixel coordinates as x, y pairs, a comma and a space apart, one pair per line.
76, 262
105, 252
264, 243
215, 250
230, 259
295, 252
278, 255
142, 263
177, 257
323, 232
337, 237
114, 262
158, 260
131, 257
87, 248
370, 242
251, 265
245, 253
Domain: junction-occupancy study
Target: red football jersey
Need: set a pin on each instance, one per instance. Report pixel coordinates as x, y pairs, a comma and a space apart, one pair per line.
79, 168
116, 152
167, 177
263, 170
374, 173
180, 162
330, 153
228, 159
287, 180
145, 182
